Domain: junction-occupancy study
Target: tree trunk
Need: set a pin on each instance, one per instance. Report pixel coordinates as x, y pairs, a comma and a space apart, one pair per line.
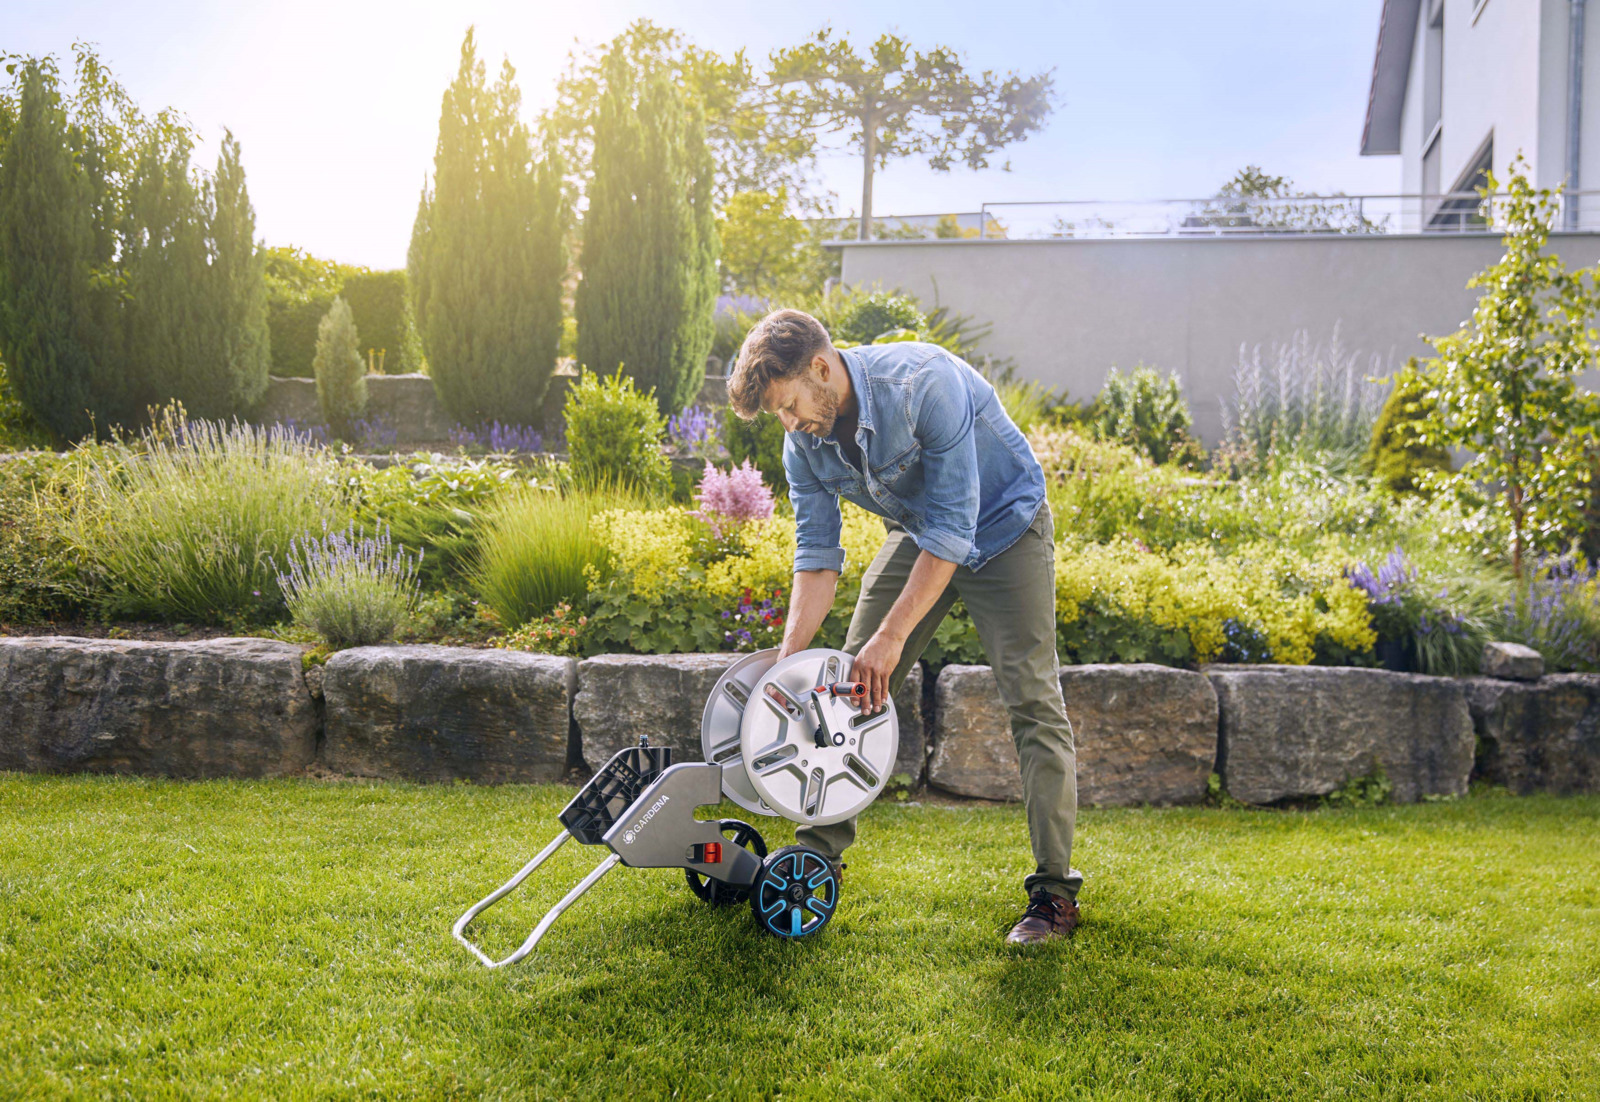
869, 149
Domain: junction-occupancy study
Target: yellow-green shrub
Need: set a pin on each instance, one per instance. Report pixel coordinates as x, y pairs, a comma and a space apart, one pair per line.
672, 586
1121, 602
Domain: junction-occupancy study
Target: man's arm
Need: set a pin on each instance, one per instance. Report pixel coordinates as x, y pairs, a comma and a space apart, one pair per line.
878, 659
809, 603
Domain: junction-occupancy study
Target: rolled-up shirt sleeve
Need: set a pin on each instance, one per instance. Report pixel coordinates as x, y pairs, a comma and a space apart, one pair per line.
944, 419
817, 521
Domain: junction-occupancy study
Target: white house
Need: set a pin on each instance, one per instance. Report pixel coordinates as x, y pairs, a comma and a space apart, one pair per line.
1460, 87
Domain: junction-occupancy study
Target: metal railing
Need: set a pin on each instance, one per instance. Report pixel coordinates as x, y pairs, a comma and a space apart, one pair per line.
1452, 212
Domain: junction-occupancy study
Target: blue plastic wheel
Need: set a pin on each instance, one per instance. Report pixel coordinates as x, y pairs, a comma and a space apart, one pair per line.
796, 893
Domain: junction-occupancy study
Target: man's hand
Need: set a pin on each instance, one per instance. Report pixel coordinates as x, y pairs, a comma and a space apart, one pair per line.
874, 666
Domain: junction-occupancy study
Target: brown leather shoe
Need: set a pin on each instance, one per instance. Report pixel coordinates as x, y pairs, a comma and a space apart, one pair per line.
1048, 916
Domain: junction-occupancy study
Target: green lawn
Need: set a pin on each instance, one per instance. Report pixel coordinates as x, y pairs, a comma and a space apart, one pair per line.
291, 939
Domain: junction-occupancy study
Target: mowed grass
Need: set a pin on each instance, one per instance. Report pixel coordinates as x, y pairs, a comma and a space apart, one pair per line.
291, 939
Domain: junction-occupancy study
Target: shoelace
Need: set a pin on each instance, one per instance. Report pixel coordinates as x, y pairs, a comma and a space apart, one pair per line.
1042, 905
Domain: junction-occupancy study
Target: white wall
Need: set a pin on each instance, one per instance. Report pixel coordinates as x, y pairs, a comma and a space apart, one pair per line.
1068, 310
1505, 73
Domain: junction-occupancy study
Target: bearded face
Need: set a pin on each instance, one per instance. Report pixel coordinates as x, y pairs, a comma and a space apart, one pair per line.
824, 405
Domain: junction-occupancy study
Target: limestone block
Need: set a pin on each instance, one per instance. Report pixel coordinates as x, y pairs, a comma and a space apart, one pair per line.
209, 708
426, 713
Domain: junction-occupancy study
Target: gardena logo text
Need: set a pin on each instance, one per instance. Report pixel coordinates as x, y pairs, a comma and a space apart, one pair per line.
627, 839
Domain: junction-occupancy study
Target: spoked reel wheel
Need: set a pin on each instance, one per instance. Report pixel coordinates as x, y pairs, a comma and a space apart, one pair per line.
796, 894
719, 728
809, 754
719, 893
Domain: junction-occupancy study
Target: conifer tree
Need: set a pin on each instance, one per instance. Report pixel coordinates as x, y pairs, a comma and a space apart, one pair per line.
238, 283
173, 331
46, 240
649, 238
487, 254
341, 374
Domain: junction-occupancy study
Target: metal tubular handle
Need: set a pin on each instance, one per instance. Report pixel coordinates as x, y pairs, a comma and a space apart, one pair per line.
458, 931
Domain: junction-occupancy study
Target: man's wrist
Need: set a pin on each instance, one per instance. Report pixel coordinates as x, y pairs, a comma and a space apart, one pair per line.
891, 634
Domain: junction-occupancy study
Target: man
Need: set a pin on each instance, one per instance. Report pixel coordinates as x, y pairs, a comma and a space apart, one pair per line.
917, 436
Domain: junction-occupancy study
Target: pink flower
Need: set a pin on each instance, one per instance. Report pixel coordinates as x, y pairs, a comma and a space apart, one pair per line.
730, 499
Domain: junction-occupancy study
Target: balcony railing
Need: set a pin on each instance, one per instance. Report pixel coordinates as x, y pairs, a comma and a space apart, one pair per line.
1453, 212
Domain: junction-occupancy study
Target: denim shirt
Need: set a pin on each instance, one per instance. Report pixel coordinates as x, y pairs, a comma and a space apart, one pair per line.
941, 457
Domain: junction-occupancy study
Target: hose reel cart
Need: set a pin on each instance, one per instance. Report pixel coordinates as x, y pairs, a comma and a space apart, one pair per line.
779, 739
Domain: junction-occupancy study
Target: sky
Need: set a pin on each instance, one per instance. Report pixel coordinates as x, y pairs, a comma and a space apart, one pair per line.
336, 102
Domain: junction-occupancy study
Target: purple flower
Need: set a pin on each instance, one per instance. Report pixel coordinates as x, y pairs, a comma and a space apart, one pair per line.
691, 428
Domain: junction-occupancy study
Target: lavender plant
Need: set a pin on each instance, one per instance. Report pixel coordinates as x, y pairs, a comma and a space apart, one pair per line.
1555, 611
311, 433
186, 522
692, 431
1308, 399
373, 434
498, 439
350, 588
1436, 633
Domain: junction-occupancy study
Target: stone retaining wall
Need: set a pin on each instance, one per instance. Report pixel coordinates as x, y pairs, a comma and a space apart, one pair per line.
408, 404
220, 708
1144, 734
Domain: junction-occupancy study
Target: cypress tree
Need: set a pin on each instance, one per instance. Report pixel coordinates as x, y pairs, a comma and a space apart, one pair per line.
238, 284
486, 256
173, 330
341, 372
46, 246
649, 238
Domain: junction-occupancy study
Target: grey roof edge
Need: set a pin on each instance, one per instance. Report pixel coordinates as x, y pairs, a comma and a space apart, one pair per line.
1391, 68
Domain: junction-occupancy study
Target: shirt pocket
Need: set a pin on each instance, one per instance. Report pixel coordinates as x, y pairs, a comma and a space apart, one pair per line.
903, 473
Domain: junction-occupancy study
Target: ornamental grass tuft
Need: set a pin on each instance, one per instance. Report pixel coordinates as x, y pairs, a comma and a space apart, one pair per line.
533, 545
350, 588
185, 522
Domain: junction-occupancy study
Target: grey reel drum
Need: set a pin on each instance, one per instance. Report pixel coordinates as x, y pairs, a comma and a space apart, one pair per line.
719, 727
809, 753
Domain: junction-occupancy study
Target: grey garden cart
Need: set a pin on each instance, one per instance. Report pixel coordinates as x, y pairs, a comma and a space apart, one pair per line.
779, 739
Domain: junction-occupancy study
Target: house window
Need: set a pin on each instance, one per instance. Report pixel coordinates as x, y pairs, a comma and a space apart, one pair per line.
1459, 210
1433, 69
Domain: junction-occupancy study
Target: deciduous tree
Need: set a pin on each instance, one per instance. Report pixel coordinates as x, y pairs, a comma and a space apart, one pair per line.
898, 102
1504, 386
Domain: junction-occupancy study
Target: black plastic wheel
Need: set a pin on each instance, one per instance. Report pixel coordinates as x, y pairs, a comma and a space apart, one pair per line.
796, 894
719, 893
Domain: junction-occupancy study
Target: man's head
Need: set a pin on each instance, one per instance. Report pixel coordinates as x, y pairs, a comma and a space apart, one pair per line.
789, 368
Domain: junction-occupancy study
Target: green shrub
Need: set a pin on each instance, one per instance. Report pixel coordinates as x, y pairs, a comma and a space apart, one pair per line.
19, 430
433, 506
1396, 455
614, 435
380, 303
341, 372
1148, 414
187, 523
761, 442
37, 571
293, 325
351, 589
865, 317
533, 548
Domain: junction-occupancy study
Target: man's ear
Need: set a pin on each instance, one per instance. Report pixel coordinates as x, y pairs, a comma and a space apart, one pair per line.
820, 364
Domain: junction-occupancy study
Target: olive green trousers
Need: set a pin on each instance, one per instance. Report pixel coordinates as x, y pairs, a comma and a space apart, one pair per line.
1012, 602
